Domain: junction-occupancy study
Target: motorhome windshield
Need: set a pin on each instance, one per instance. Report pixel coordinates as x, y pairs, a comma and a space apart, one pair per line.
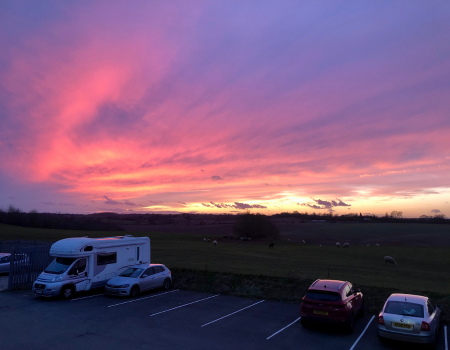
59, 265
131, 272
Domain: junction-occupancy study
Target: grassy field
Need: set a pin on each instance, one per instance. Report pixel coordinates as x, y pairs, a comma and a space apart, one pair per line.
356, 233
423, 269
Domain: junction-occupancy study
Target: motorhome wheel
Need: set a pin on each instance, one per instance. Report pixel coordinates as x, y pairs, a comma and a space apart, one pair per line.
67, 292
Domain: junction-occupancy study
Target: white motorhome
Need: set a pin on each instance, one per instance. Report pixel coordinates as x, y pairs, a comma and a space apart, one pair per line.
85, 263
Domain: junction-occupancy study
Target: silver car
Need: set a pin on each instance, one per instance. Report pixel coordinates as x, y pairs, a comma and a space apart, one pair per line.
139, 278
21, 259
411, 318
4, 262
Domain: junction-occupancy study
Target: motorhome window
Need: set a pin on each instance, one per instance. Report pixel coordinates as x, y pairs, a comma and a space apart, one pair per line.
88, 248
78, 267
105, 259
59, 265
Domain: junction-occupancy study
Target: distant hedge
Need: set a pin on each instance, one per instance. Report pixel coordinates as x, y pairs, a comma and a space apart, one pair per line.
14, 216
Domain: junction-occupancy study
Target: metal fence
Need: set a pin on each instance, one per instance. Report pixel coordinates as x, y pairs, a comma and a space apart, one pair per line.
6, 246
26, 265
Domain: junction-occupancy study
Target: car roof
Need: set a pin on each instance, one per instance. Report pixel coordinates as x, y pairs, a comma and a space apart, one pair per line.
5, 254
332, 285
144, 266
419, 299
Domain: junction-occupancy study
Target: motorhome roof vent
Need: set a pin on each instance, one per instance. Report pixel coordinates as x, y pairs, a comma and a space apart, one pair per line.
127, 236
88, 248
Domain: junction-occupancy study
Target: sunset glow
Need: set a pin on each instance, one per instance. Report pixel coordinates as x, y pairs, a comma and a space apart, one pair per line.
223, 106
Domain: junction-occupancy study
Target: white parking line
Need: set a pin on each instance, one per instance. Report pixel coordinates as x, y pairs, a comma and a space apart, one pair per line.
184, 305
151, 296
91, 296
364, 331
282, 329
259, 302
445, 335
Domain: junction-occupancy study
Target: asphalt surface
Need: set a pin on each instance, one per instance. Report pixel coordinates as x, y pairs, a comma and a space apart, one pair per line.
171, 320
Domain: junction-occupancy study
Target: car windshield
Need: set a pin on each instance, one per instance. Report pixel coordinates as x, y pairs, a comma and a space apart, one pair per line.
131, 272
59, 265
323, 295
404, 308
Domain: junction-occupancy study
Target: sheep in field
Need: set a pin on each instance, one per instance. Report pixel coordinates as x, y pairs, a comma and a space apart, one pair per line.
215, 242
208, 240
303, 241
204, 239
390, 260
338, 244
346, 245
271, 245
377, 245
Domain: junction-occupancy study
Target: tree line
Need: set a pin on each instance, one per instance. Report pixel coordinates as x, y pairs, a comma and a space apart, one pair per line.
34, 219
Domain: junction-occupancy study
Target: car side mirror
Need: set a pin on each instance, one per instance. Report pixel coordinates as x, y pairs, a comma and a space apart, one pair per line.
358, 290
439, 306
143, 276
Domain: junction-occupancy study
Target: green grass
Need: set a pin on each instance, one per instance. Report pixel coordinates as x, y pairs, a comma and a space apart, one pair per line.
419, 268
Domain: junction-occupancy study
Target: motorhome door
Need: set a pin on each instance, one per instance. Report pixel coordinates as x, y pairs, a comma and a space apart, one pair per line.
78, 274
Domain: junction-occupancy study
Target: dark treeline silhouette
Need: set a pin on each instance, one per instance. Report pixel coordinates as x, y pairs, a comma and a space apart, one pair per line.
254, 226
14, 216
393, 217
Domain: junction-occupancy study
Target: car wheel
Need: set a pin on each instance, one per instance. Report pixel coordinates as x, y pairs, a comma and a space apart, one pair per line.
361, 312
134, 292
433, 344
382, 340
67, 292
167, 284
350, 324
305, 323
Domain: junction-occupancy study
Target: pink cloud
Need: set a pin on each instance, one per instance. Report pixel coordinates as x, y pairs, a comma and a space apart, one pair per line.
163, 99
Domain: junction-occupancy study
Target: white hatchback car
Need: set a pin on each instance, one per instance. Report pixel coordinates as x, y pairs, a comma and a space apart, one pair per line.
139, 278
411, 318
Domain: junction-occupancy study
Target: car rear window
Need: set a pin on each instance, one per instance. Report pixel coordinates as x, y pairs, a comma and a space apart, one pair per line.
323, 295
404, 308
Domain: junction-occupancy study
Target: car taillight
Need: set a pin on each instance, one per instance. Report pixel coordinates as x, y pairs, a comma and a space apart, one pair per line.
170, 272
425, 326
380, 320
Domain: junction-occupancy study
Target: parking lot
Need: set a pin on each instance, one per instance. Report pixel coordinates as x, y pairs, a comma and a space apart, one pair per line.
175, 319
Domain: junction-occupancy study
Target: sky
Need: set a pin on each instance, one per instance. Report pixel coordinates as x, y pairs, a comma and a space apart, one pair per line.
225, 106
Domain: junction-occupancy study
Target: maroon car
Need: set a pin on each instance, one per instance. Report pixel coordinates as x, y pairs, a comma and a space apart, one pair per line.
332, 301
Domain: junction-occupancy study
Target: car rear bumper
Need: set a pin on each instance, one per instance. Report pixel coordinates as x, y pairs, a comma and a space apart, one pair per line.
322, 319
411, 338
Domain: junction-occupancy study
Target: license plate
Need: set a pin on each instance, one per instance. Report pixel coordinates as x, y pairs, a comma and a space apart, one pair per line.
319, 312
38, 291
402, 325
